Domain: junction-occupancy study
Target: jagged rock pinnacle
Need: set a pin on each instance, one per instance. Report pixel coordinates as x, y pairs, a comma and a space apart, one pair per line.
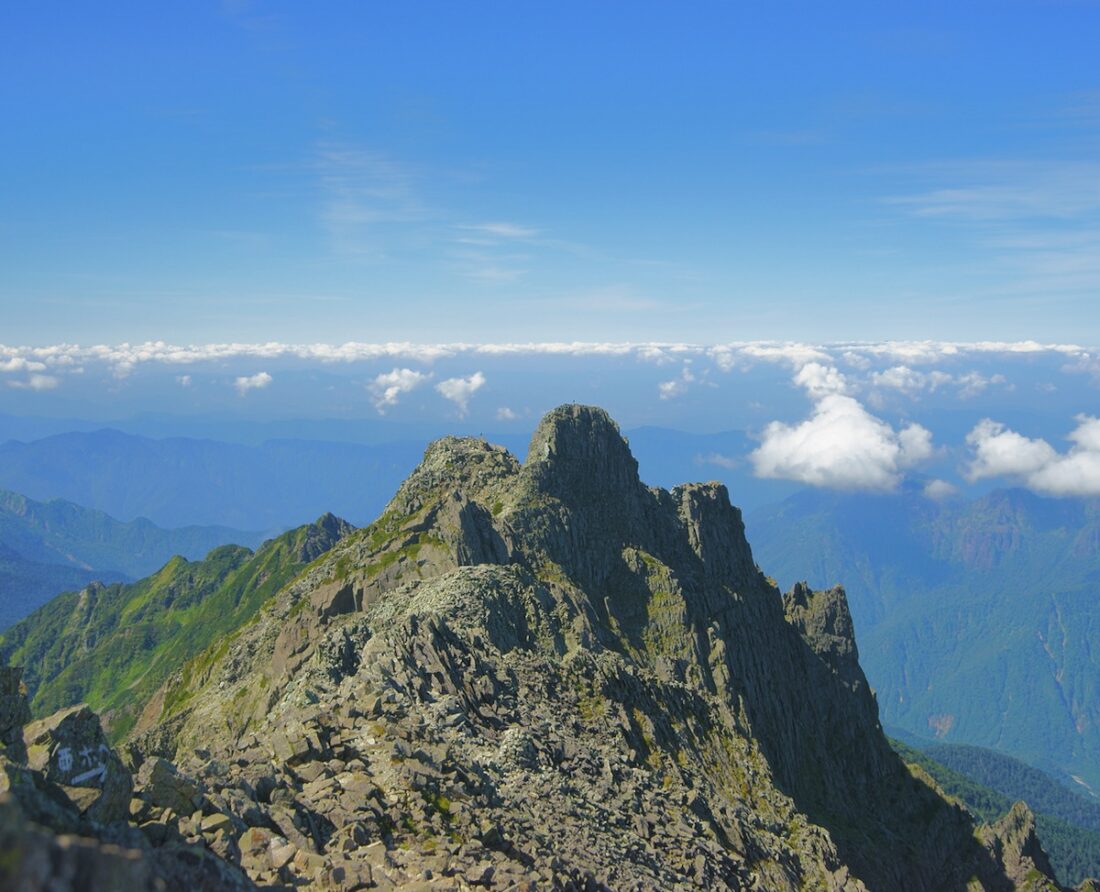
578, 454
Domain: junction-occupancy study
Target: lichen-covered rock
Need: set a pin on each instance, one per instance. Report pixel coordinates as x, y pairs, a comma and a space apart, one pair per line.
161, 785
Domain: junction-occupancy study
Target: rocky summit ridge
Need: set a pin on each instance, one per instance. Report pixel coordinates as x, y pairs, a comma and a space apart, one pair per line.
534, 676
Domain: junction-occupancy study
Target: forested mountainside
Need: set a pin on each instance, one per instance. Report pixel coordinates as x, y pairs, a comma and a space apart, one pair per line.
975, 619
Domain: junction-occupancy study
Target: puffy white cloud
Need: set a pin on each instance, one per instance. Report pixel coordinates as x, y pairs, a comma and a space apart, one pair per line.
841, 445
820, 380
506, 414
677, 386
795, 354
912, 381
931, 352
999, 451
183, 380
460, 390
387, 387
258, 381
20, 364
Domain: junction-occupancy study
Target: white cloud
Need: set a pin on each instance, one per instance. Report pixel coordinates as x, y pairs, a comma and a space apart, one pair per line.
121, 359
183, 380
20, 364
973, 383
506, 414
36, 382
907, 380
504, 230
820, 380
931, 352
938, 490
386, 388
841, 444
999, 451
794, 354
246, 383
1011, 190
459, 390
717, 458
677, 386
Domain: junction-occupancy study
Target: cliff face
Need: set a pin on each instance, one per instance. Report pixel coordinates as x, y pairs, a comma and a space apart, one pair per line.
550, 673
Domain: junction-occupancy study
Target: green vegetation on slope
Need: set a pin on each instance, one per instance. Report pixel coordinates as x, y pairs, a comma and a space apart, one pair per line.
113, 646
1073, 847
49, 547
1018, 780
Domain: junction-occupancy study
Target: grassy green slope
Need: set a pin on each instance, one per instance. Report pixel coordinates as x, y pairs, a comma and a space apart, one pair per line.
113, 646
54, 546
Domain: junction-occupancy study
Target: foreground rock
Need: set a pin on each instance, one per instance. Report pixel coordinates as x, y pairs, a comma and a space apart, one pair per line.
65, 806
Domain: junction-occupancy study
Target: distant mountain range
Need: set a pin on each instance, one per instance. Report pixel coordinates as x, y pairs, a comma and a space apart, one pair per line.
180, 481
279, 483
50, 547
977, 621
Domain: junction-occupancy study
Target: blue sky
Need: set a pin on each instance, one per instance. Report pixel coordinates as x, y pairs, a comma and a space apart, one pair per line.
439, 172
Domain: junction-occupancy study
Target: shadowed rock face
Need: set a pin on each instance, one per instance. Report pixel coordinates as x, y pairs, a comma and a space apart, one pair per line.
550, 673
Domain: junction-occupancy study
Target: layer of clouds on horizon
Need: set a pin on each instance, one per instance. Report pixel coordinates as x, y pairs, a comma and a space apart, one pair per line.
850, 416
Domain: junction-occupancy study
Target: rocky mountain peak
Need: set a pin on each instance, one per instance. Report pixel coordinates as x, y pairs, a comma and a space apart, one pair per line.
577, 454
321, 535
550, 676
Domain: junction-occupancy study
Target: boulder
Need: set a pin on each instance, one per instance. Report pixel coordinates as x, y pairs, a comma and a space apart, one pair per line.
160, 784
70, 749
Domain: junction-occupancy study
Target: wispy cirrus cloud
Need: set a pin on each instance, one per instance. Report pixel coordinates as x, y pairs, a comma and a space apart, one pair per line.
364, 195
501, 230
1033, 226
1007, 190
